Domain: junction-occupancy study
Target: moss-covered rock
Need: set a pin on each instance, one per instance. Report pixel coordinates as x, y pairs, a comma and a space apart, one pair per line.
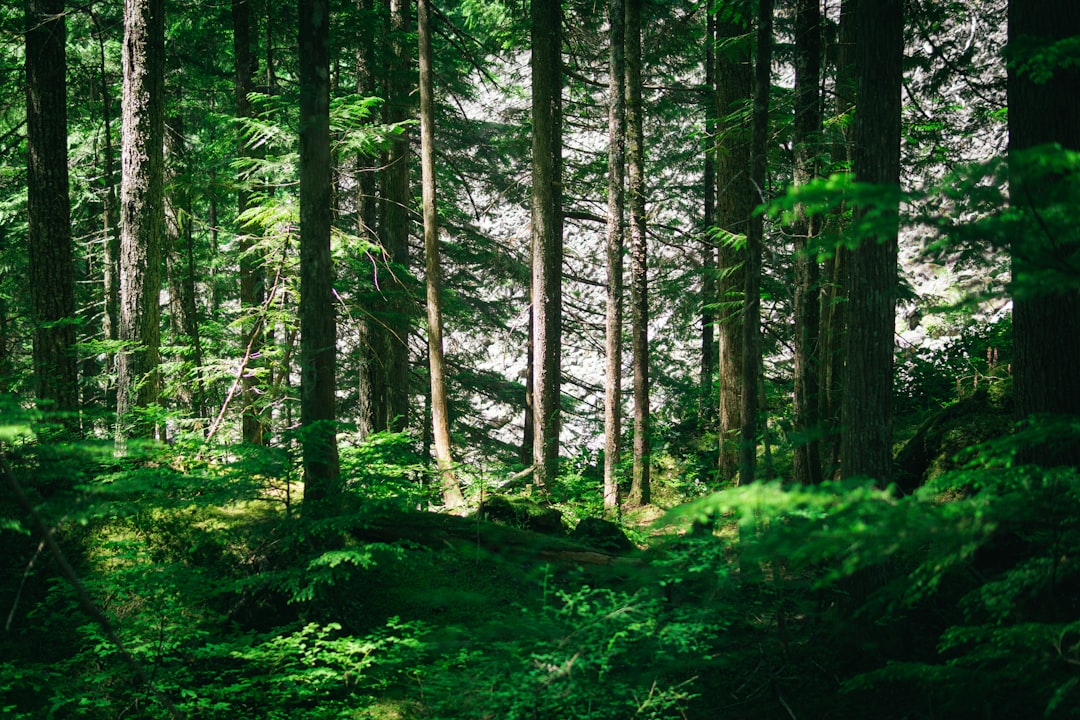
602, 535
523, 513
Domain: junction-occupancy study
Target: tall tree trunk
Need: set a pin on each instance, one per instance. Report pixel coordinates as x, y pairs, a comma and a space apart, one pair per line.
833, 295
733, 206
52, 268
180, 269
440, 420
547, 249
252, 276
866, 414
807, 128
614, 249
397, 200
318, 331
141, 214
754, 242
640, 485
1046, 311
707, 415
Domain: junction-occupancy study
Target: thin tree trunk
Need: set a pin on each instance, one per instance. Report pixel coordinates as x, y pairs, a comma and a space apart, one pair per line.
754, 242
440, 420
733, 206
640, 485
866, 413
547, 249
614, 248
252, 275
707, 407
141, 215
807, 128
52, 268
318, 332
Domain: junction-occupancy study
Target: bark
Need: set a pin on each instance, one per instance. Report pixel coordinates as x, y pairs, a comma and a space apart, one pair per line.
707, 415
52, 269
807, 128
318, 332
252, 276
754, 242
866, 408
141, 214
1046, 310
397, 200
614, 249
547, 249
733, 206
640, 485
440, 420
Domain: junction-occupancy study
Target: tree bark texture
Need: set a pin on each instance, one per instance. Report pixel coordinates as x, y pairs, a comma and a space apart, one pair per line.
547, 249
318, 332
397, 310
1046, 310
440, 419
640, 484
807, 305
614, 250
142, 217
52, 269
754, 242
866, 413
733, 206
707, 407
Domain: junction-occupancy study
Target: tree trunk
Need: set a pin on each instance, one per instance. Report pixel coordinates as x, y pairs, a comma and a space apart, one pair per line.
318, 332
640, 485
397, 199
707, 415
807, 128
754, 241
252, 276
52, 269
180, 270
547, 250
866, 412
733, 206
614, 248
141, 215
1046, 310
440, 420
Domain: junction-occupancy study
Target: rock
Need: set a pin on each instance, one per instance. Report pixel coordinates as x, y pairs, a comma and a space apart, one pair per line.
602, 535
522, 513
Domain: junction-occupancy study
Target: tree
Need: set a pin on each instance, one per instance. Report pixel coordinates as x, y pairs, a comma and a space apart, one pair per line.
707, 406
807, 127
733, 205
547, 250
141, 213
52, 270
614, 255
433, 267
1044, 110
640, 488
751, 344
866, 414
318, 329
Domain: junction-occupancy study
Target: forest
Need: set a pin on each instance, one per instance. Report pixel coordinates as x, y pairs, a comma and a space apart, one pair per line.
471, 359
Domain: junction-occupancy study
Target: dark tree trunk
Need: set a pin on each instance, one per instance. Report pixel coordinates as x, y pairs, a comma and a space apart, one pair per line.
1046, 303
707, 407
866, 415
754, 242
614, 251
640, 485
733, 206
397, 200
440, 416
318, 332
807, 128
52, 269
252, 276
141, 214
547, 249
